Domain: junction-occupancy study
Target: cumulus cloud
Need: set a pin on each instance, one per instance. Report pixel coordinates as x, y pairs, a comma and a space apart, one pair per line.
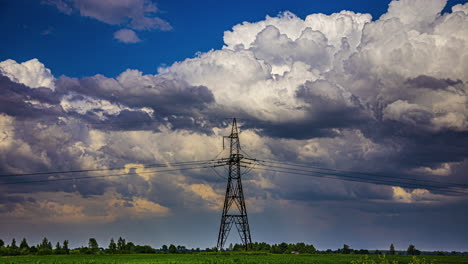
126, 36
418, 14
31, 73
342, 90
416, 195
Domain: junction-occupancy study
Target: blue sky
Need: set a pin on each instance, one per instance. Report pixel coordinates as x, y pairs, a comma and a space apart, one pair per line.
80, 89
79, 46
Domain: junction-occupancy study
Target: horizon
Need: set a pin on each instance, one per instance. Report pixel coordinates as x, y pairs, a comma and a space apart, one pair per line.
158, 248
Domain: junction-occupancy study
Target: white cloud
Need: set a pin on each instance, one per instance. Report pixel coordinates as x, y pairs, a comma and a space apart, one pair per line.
31, 73
101, 108
126, 36
414, 196
334, 27
409, 113
417, 13
444, 170
265, 62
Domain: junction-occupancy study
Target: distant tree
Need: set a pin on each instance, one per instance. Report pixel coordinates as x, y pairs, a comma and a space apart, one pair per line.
164, 248
231, 247
392, 250
301, 247
346, 249
283, 247
45, 244
362, 252
181, 249
65, 248
291, 248
58, 248
274, 249
144, 249
121, 244
45, 247
24, 244
13, 244
310, 249
33, 250
130, 247
172, 249
238, 247
93, 245
411, 250
2, 244
265, 246
112, 246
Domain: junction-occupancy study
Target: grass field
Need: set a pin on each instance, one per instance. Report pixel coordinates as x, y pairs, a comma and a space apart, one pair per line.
213, 259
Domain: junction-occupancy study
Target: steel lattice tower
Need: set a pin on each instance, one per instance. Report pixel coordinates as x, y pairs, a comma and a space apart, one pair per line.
234, 215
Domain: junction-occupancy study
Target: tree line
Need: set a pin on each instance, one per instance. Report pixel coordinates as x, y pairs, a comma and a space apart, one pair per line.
121, 246
347, 250
44, 248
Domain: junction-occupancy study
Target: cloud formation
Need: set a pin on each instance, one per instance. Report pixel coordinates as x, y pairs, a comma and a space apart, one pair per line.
136, 15
388, 96
31, 73
126, 36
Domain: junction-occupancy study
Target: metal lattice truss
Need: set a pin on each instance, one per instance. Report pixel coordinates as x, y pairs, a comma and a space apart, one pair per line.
234, 215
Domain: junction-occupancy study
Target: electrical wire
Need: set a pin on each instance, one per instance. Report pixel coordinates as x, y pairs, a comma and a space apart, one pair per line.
103, 176
356, 177
217, 173
369, 181
183, 163
360, 173
112, 122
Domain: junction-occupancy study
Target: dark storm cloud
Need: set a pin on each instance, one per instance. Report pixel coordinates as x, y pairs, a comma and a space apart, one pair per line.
167, 96
356, 193
431, 82
15, 100
432, 148
418, 145
174, 102
295, 130
325, 108
30, 107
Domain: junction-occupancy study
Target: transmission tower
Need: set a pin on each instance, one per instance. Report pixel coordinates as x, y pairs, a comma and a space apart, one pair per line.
234, 215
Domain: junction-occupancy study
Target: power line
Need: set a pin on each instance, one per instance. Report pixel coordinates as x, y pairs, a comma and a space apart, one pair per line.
183, 163
105, 176
357, 177
175, 115
369, 181
217, 173
361, 173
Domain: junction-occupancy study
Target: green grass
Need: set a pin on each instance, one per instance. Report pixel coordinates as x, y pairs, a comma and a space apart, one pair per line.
215, 259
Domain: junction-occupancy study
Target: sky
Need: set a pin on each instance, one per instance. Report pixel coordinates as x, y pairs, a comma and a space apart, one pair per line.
375, 86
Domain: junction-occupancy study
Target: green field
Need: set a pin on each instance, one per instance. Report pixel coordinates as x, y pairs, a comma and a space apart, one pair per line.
214, 259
